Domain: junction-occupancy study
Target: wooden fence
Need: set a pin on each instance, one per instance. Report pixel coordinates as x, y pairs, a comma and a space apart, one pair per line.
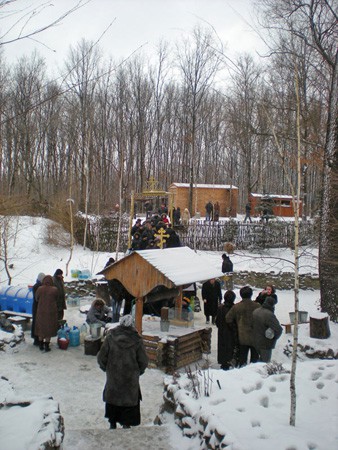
201, 235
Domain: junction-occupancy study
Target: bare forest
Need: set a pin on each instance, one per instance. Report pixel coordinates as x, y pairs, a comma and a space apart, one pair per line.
102, 128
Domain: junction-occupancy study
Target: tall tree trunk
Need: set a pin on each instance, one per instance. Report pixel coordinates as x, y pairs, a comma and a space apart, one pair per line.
328, 245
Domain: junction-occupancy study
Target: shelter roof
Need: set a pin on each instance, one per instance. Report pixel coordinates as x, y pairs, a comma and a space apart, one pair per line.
143, 270
206, 186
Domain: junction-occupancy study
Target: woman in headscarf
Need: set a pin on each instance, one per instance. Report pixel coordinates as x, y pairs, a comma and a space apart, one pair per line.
123, 358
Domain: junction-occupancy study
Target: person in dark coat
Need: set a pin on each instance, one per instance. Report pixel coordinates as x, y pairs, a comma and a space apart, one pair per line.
136, 241
136, 227
58, 282
227, 265
37, 284
212, 297
227, 335
123, 358
216, 211
209, 210
47, 324
147, 235
266, 329
241, 316
247, 213
173, 240
177, 215
269, 291
110, 261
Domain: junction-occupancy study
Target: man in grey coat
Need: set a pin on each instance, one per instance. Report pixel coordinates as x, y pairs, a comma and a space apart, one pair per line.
123, 358
266, 328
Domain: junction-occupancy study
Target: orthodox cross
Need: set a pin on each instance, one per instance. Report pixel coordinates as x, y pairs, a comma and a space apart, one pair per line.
161, 236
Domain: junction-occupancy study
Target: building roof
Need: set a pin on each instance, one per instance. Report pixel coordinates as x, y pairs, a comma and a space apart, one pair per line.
272, 196
181, 265
205, 186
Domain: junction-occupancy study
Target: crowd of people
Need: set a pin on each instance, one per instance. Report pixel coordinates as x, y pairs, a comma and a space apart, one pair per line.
248, 330
154, 232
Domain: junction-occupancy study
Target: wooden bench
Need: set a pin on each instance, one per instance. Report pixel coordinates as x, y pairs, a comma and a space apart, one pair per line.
25, 316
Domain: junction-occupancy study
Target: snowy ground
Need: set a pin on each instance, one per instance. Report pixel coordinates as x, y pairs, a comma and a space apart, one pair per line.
253, 408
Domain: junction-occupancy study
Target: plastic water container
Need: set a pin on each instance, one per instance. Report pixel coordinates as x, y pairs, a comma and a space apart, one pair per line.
84, 274
83, 332
62, 334
74, 337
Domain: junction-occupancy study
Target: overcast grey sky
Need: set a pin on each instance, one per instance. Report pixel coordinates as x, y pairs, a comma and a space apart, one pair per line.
136, 23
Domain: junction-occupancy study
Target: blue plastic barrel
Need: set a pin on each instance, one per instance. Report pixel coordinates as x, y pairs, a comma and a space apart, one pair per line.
17, 299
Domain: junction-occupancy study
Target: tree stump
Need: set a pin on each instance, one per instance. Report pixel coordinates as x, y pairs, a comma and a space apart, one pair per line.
319, 326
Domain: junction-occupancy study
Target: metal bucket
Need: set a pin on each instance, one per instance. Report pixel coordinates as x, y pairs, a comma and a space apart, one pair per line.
302, 317
95, 330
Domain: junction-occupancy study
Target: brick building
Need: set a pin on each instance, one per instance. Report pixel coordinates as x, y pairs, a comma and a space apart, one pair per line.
226, 195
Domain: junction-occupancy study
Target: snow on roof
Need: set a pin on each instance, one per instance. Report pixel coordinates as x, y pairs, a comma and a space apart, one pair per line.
207, 186
272, 196
181, 265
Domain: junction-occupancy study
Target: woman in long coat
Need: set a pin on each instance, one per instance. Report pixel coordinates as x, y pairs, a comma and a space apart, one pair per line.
46, 324
123, 358
227, 335
37, 284
212, 297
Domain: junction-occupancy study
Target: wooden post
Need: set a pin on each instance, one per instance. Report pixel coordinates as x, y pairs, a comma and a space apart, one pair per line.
319, 326
139, 314
178, 304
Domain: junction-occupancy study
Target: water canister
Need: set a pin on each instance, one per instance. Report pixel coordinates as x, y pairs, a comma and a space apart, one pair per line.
83, 332
84, 274
62, 334
74, 337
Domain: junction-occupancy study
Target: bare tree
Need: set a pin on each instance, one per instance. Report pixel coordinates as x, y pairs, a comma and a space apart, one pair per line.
199, 61
315, 23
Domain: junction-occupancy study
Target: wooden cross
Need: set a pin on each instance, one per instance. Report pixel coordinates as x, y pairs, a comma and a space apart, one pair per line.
161, 235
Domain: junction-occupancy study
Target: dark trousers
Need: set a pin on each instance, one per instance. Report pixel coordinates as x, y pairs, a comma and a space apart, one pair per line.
265, 355
243, 355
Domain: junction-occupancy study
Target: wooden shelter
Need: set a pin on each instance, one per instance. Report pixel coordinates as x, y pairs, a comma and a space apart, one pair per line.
152, 275
143, 272
277, 205
226, 195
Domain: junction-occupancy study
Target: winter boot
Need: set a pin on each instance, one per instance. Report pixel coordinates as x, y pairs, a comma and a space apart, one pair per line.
41, 347
47, 347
